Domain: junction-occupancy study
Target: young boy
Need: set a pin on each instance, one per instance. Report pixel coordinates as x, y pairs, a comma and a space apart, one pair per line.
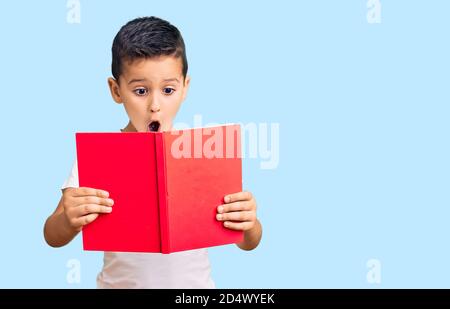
149, 69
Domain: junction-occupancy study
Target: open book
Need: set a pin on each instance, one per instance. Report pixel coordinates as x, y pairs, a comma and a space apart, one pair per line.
166, 187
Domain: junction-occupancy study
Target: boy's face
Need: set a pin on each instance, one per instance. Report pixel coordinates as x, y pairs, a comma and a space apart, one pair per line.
151, 90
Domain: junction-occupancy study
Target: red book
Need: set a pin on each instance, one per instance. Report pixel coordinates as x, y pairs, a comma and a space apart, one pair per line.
166, 187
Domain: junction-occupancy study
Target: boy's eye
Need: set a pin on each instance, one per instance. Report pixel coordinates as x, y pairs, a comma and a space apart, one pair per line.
168, 90
140, 91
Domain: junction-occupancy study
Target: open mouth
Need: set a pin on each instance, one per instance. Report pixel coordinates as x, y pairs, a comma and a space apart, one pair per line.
154, 126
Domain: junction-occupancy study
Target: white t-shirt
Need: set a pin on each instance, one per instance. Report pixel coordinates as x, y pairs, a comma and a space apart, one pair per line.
180, 270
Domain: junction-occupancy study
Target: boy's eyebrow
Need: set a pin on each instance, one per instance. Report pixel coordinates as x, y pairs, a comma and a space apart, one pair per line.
171, 80
144, 79
136, 80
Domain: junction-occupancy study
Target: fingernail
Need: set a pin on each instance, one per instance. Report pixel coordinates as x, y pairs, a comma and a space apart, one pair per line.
106, 193
220, 209
109, 209
227, 199
219, 217
111, 201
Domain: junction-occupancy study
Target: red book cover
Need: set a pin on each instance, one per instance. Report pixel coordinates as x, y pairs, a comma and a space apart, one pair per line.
166, 187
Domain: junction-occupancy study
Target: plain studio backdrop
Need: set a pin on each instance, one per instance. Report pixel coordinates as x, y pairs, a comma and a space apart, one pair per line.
359, 197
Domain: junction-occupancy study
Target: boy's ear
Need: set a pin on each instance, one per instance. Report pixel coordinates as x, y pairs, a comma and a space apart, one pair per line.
187, 82
114, 88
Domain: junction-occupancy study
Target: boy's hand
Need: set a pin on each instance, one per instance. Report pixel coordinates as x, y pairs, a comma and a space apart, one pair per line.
238, 212
83, 205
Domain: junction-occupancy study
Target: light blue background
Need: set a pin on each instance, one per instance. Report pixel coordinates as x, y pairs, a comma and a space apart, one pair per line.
363, 112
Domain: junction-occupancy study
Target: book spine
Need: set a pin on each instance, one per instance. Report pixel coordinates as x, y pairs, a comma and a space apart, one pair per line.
162, 192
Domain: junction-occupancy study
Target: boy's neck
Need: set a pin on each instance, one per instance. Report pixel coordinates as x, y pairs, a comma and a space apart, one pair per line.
129, 128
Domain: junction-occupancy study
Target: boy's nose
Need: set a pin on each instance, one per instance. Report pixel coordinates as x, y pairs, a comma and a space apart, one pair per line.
154, 107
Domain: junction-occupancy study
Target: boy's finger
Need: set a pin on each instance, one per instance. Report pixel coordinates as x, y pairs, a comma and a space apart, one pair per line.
84, 191
240, 196
236, 216
238, 226
94, 200
81, 221
92, 208
236, 206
